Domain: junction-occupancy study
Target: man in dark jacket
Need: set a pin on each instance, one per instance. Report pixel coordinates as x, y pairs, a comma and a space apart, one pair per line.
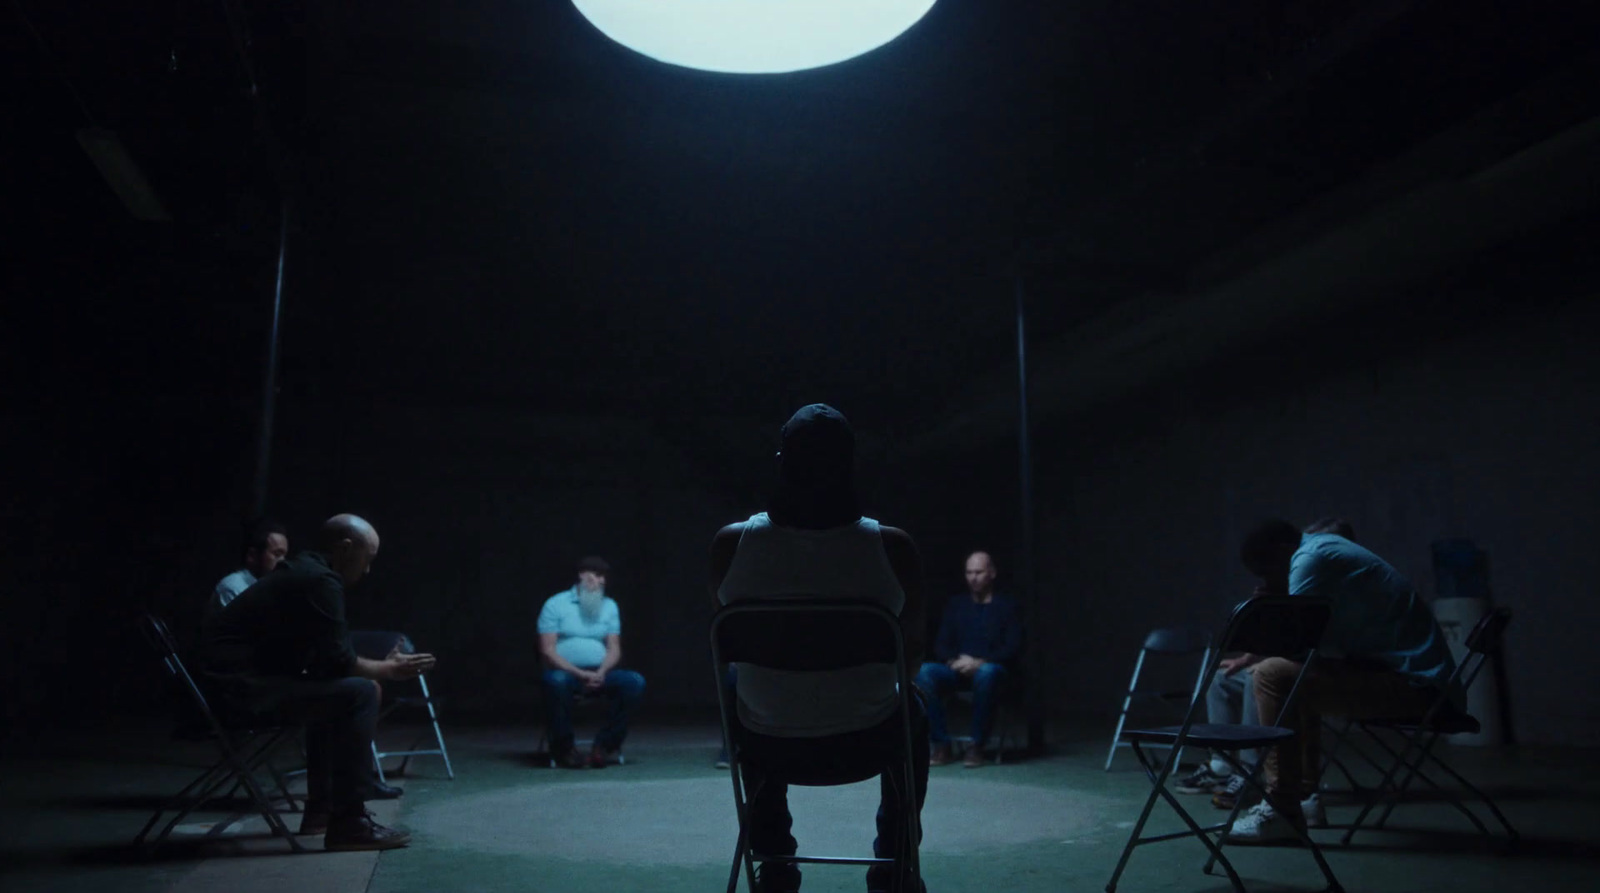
979, 644
281, 653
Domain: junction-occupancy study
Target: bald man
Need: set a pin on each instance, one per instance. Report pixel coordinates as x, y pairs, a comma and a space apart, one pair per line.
281, 653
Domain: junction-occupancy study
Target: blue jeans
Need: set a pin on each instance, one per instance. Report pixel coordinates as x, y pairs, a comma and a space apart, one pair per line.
624, 688
938, 680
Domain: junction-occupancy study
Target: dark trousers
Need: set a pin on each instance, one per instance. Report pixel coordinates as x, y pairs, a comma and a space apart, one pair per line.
833, 759
338, 715
623, 688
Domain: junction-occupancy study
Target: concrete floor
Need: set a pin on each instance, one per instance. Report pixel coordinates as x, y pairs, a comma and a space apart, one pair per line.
664, 822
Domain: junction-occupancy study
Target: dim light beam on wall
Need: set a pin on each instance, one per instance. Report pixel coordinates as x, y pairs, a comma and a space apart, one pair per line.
753, 36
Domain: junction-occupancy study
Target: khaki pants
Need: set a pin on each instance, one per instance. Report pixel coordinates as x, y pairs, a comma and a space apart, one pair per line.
1332, 688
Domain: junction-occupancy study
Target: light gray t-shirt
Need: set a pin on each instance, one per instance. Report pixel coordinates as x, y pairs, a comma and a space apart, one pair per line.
228, 589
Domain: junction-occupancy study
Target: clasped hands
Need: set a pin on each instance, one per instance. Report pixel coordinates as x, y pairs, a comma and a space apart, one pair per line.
966, 664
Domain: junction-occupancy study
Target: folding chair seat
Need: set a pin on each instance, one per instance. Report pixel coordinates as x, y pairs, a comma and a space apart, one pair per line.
782, 634
1169, 642
1286, 626
1419, 736
241, 751
422, 701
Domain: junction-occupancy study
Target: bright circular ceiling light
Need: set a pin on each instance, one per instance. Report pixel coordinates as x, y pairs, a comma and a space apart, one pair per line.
753, 36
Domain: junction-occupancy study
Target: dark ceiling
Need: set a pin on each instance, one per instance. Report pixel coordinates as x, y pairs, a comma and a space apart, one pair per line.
495, 204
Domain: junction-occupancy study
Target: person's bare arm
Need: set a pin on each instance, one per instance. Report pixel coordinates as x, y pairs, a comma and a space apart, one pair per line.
607, 663
547, 650
906, 563
723, 545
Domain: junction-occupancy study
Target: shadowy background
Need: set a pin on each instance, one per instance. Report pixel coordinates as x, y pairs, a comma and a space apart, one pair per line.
546, 297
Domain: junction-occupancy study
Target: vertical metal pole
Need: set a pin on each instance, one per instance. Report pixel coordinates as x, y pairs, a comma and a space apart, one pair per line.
1028, 575
269, 387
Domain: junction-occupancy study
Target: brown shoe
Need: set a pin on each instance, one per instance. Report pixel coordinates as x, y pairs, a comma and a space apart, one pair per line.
360, 832
939, 755
974, 757
600, 758
571, 759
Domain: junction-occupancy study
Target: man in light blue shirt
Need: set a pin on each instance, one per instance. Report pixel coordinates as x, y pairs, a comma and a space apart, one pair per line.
580, 641
1383, 656
266, 544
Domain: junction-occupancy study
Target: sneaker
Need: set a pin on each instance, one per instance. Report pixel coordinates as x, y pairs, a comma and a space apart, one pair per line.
1316, 815
1200, 781
1227, 795
1261, 825
777, 877
939, 755
360, 832
722, 760
599, 758
974, 758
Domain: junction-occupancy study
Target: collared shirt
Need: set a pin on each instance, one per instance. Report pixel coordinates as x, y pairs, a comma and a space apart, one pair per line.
290, 622
990, 632
580, 640
1377, 614
228, 588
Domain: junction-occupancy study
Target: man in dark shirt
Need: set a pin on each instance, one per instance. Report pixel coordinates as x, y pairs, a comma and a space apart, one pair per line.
980, 640
281, 653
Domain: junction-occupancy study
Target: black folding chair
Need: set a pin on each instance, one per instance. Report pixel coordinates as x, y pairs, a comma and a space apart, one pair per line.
1284, 626
1419, 736
812, 635
241, 752
1167, 642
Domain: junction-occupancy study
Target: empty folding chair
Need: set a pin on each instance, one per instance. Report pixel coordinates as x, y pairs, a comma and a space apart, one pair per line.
425, 701
1419, 736
1169, 642
241, 752
1284, 626
782, 634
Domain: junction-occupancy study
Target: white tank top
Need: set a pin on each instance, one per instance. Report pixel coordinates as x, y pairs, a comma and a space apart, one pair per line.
846, 562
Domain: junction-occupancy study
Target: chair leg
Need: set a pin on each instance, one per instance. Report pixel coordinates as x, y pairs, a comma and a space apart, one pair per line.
1485, 799
1127, 703
1158, 780
438, 734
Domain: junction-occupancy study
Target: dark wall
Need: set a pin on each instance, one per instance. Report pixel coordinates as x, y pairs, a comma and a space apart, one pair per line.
1490, 432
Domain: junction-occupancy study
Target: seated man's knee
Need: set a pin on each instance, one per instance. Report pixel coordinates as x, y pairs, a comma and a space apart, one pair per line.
632, 685
1276, 673
988, 676
928, 676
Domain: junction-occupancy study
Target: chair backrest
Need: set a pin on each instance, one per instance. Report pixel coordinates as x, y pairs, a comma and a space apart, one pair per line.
1488, 633
161, 640
1177, 640
1277, 625
806, 635
1485, 641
